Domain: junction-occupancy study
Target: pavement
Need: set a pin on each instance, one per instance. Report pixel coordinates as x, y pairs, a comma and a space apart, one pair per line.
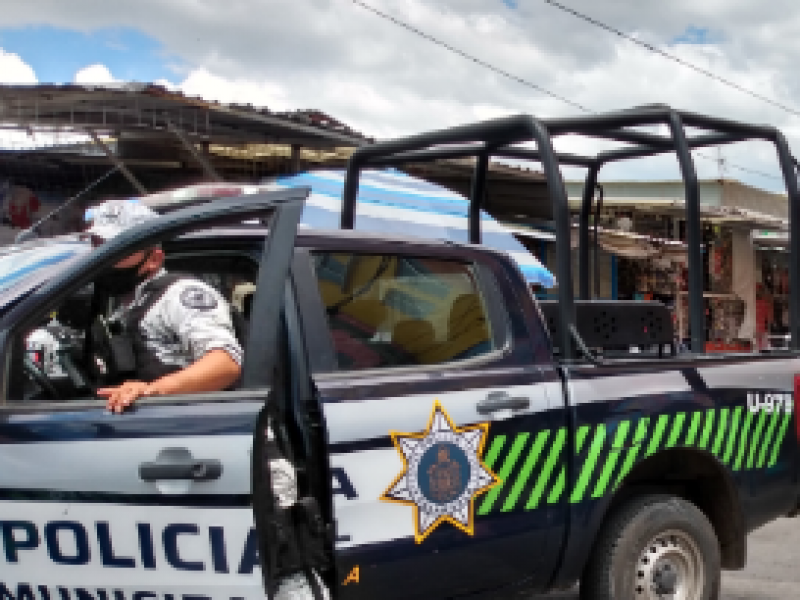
772, 572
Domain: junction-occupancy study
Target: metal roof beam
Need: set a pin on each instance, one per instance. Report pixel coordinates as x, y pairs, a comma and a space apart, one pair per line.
117, 162
189, 146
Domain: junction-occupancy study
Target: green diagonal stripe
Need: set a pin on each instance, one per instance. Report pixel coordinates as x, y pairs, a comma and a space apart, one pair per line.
675, 432
773, 421
527, 468
732, 435
658, 433
695, 425
558, 488
611, 460
547, 469
762, 418
588, 466
707, 428
721, 427
776, 449
581, 437
508, 466
494, 451
743, 440
633, 451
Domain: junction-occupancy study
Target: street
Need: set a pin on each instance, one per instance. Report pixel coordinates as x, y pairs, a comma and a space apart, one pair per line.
773, 567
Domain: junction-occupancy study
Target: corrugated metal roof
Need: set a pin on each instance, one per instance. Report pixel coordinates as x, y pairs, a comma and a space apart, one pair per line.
142, 107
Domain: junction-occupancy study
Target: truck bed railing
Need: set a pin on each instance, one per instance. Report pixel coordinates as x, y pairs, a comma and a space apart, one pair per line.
498, 138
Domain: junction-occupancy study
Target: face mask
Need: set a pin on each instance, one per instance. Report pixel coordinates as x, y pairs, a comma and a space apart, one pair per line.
122, 281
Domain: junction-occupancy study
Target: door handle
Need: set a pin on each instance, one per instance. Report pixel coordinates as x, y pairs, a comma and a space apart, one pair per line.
502, 401
178, 464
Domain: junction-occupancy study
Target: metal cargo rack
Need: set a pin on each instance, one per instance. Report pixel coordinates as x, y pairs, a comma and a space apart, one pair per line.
498, 138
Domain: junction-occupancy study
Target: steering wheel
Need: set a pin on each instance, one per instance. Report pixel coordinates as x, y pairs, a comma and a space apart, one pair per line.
40, 378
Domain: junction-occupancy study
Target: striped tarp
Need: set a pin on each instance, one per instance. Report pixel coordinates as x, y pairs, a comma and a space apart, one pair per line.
392, 202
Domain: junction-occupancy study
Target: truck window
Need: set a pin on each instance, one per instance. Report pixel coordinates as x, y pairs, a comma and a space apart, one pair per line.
397, 311
69, 352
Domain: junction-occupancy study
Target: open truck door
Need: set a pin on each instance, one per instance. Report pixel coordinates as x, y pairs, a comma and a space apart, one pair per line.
293, 539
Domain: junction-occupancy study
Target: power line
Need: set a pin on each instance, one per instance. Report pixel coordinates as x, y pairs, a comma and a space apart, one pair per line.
672, 57
470, 57
516, 78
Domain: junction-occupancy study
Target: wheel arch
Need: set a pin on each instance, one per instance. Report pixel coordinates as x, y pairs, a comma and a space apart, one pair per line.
690, 473
699, 477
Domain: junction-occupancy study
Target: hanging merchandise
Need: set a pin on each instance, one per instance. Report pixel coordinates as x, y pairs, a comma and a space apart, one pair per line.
721, 262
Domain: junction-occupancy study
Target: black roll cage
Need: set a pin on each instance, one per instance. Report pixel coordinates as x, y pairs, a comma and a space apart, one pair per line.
495, 138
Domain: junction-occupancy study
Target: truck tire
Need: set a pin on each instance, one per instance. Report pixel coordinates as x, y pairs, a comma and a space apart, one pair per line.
654, 547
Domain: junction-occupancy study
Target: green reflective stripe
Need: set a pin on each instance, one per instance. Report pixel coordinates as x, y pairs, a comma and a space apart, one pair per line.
692, 435
581, 437
707, 428
762, 418
773, 421
657, 434
630, 459
732, 435
527, 468
494, 451
611, 460
743, 440
776, 449
547, 469
723, 425
558, 488
508, 466
677, 428
588, 466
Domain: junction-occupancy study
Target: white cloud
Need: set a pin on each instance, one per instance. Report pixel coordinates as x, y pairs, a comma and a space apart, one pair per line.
386, 81
94, 74
210, 86
14, 70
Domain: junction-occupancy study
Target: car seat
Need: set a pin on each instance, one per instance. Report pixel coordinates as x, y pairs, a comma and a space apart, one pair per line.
467, 332
415, 337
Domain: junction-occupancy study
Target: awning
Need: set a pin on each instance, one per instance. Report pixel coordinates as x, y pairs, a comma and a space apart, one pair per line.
777, 239
718, 215
392, 202
634, 245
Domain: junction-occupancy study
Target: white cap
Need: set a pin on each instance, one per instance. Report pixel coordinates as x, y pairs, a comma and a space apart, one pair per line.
112, 217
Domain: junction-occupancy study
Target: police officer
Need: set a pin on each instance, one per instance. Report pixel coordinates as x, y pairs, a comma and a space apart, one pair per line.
183, 342
182, 336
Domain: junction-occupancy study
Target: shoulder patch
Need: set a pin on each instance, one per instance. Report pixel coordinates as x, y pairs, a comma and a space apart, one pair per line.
199, 298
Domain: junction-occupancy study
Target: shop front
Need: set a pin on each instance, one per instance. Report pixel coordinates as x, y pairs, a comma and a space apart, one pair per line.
772, 288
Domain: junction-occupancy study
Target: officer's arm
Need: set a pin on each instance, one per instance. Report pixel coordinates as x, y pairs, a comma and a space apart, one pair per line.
216, 370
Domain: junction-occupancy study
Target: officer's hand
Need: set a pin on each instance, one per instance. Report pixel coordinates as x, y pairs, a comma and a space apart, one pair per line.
122, 396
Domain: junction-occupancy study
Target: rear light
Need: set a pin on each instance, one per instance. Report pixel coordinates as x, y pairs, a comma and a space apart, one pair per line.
797, 404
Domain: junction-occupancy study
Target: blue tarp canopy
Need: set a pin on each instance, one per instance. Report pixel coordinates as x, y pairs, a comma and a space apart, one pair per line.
392, 202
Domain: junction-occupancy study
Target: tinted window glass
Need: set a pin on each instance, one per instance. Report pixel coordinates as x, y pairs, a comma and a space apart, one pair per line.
392, 311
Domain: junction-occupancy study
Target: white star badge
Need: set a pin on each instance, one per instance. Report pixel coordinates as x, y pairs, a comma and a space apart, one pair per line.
443, 473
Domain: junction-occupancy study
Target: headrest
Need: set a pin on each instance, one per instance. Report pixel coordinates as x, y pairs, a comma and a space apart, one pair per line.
465, 313
414, 336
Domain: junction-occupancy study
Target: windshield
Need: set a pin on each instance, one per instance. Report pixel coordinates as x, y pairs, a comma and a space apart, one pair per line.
37, 258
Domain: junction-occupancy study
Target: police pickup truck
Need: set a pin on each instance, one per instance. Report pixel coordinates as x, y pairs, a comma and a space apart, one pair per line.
452, 436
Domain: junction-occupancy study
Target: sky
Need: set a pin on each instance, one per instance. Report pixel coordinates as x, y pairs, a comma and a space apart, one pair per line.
383, 80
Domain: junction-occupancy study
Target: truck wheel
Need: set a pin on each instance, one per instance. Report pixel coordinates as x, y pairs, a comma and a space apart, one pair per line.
653, 548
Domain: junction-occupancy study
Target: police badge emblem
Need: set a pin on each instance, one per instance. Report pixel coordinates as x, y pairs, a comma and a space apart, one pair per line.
442, 474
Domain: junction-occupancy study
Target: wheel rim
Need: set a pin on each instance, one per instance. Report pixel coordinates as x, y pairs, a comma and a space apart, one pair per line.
670, 567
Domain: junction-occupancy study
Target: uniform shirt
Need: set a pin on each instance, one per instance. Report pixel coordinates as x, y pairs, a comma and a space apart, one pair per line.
189, 319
